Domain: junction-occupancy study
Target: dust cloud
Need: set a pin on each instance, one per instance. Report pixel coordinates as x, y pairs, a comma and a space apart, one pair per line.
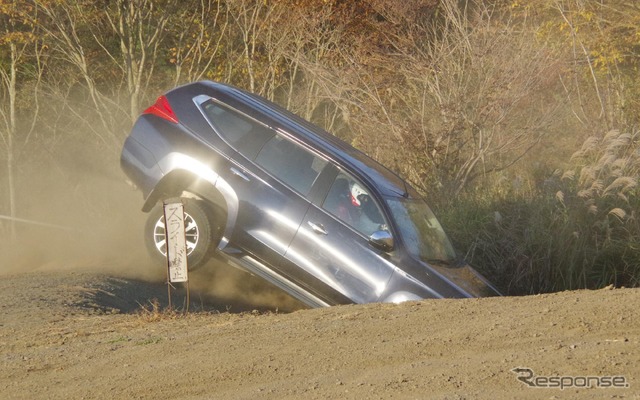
78, 213
240, 290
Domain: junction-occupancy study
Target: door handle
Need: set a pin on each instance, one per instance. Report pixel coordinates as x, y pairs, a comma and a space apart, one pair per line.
239, 173
317, 228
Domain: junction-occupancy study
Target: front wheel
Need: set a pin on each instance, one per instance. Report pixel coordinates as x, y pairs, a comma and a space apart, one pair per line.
198, 234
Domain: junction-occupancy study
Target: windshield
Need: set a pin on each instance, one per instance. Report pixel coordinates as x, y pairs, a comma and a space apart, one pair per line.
420, 230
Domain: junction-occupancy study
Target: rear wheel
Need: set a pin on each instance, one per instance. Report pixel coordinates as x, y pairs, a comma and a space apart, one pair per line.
198, 234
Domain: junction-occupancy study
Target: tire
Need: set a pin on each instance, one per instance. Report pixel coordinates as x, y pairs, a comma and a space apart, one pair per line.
198, 232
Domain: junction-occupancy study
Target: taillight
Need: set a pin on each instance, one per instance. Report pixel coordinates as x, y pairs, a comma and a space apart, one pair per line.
162, 109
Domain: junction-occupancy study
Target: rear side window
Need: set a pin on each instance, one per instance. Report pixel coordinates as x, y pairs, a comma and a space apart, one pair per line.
291, 163
244, 134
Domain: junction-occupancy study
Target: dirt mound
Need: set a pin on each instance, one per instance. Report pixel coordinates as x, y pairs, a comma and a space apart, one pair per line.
79, 334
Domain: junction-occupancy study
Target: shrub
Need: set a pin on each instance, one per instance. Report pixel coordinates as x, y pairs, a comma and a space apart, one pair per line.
575, 229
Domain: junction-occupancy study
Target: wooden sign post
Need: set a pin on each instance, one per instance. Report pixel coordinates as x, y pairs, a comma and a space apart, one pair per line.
176, 246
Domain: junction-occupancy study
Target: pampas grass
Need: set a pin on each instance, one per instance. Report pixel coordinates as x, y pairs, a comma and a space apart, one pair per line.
576, 228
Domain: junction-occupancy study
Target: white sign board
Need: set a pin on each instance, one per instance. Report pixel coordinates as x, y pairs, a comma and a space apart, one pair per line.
176, 242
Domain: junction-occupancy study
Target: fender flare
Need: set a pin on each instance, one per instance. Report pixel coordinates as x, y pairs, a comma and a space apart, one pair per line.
187, 174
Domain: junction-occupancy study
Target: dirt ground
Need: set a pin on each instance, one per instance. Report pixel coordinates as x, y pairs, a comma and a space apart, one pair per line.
77, 333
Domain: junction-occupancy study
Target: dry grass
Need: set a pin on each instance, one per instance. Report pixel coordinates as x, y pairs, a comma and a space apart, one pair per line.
577, 228
154, 312
609, 168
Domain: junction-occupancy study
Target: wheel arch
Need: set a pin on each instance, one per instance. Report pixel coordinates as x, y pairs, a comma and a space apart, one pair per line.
218, 196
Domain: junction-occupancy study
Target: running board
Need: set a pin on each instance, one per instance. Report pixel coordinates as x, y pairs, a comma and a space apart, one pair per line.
256, 267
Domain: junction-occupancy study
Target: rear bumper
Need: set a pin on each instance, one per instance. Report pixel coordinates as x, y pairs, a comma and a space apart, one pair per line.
140, 166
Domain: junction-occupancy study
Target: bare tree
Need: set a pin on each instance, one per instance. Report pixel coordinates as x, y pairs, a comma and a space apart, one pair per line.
605, 57
18, 35
8, 133
249, 16
115, 50
259, 26
66, 30
466, 99
200, 41
319, 72
140, 26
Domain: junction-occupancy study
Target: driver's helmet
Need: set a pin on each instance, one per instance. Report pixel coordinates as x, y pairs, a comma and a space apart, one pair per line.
356, 192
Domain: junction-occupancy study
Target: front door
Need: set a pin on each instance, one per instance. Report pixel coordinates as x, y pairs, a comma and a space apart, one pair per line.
332, 242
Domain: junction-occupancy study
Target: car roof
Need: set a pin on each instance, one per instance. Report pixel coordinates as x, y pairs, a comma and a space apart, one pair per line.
342, 153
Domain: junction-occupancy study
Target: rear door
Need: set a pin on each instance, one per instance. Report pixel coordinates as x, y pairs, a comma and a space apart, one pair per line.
270, 175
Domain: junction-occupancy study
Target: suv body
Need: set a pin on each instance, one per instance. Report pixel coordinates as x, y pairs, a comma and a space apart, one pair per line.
285, 200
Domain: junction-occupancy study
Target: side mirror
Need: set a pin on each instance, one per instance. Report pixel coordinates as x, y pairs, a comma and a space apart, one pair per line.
381, 240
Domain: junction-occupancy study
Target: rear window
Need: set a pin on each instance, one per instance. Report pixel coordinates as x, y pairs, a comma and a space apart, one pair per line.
291, 163
243, 133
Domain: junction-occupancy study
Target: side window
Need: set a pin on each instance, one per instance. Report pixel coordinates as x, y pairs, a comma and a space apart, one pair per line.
350, 202
291, 163
241, 132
